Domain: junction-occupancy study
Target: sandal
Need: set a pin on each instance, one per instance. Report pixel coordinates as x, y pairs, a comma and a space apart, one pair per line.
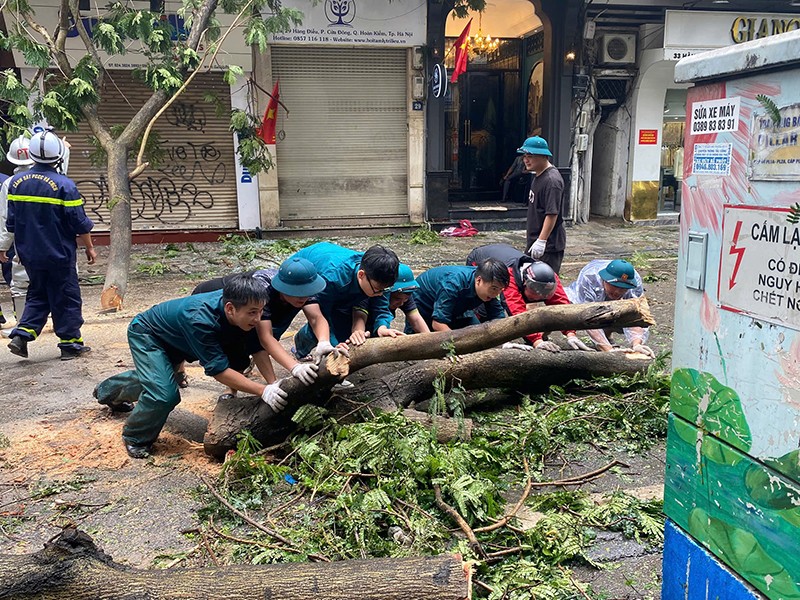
182, 379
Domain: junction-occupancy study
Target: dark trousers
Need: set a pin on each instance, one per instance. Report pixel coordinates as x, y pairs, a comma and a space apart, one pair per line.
53, 292
554, 259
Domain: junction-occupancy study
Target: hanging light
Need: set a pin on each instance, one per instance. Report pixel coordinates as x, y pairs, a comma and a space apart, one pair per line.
482, 44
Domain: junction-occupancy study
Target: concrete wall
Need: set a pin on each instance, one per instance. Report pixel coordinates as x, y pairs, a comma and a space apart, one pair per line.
611, 153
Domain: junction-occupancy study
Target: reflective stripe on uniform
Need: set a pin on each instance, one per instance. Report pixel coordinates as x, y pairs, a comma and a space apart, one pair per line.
31, 331
44, 200
78, 340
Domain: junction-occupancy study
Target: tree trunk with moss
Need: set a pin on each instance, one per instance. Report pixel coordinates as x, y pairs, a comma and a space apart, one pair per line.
71, 567
515, 369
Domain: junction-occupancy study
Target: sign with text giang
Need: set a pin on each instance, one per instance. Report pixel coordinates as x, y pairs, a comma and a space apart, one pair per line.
358, 22
774, 150
760, 264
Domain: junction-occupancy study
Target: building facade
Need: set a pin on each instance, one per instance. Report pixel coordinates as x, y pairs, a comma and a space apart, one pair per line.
631, 54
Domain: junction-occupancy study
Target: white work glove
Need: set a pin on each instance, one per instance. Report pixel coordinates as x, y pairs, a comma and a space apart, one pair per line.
513, 346
274, 396
323, 348
574, 343
642, 349
549, 346
305, 372
537, 248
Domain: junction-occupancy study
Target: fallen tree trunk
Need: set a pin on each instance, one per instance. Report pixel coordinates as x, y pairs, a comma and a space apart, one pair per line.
71, 567
526, 372
248, 413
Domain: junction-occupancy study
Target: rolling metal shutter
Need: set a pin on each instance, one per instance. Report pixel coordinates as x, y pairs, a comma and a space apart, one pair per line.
195, 187
343, 151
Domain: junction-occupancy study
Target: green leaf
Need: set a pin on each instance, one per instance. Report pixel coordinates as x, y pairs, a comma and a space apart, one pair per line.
701, 399
742, 551
772, 490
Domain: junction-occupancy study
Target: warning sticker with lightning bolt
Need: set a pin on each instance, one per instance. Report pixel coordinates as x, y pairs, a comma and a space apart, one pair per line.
760, 264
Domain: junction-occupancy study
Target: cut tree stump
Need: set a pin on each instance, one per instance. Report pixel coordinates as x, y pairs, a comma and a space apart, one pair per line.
71, 567
231, 417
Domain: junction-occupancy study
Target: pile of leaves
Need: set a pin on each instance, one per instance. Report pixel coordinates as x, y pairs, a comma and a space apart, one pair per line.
370, 489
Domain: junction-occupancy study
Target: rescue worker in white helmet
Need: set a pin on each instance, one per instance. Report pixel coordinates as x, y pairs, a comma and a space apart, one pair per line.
46, 216
17, 155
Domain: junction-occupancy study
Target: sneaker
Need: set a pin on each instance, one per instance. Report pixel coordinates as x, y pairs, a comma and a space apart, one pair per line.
343, 385
6, 333
19, 346
70, 353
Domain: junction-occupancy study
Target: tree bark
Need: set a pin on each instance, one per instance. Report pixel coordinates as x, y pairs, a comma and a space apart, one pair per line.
525, 372
249, 413
72, 568
447, 429
119, 252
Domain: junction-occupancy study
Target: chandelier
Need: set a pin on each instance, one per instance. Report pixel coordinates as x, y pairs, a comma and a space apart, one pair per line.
480, 45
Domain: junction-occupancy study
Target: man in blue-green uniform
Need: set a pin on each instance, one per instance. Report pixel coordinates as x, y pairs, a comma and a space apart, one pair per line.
401, 297
350, 277
46, 216
189, 329
448, 295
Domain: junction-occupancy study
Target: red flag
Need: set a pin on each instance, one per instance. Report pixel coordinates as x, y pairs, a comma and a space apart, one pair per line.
462, 49
266, 131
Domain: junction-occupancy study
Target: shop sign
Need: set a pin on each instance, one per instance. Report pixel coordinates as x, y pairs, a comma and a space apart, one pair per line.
439, 80
715, 116
759, 270
648, 137
712, 159
357, 22
688, 32
774, 150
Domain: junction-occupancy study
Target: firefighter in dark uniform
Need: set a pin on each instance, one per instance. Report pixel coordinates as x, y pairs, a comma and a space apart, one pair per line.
46, 216
530, 281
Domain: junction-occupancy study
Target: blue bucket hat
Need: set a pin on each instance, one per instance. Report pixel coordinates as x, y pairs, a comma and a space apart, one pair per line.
298, 277
405, 280
619, 273
535, 145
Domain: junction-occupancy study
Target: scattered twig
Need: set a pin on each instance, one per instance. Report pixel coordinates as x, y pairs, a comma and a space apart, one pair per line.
526, 492
581, 479
482, 585
476, 545
207, 546
238, 540
241, 515
416, 508
180, 559
575, 584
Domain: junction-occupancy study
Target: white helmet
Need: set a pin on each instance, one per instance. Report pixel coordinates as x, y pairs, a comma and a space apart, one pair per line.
46, 148
18, 152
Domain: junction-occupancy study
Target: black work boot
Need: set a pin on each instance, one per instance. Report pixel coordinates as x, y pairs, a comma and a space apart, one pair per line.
135, 451
70, 353
19, 346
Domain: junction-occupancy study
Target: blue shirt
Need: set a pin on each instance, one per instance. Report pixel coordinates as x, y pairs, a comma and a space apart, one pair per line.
192, 328
45, 214
339, 267
448, 293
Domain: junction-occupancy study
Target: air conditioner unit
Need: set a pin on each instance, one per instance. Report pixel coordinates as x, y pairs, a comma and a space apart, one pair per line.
618, 49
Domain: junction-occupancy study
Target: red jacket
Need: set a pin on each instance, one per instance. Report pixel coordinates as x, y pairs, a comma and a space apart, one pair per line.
517, 304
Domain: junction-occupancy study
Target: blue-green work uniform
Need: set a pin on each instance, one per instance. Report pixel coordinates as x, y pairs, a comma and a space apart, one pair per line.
190, 329
339, 267
447, 295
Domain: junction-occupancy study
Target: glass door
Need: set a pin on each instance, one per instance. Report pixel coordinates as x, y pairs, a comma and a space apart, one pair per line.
475, 132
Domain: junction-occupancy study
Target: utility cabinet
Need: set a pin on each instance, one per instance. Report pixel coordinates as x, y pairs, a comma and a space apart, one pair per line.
732, 486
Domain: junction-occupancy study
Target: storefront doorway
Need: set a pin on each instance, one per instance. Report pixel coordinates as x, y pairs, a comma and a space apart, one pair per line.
672, 132
483, 122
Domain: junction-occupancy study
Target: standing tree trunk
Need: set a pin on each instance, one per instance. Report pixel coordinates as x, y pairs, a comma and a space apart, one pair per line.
119, 253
